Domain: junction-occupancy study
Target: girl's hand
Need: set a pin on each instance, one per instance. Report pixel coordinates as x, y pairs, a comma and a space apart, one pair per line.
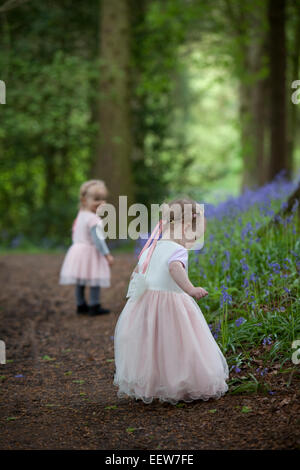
198, 292
110, 259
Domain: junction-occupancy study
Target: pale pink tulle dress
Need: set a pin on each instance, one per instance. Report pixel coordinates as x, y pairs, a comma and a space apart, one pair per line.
163, 346
83, 263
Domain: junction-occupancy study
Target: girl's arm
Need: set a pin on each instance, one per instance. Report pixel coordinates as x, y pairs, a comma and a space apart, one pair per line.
99, 242
180, 276
101, 245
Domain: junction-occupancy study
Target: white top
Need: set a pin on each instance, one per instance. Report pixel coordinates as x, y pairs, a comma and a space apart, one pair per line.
157, 275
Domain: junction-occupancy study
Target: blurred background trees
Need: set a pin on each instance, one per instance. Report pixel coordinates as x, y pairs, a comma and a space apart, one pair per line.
156, 97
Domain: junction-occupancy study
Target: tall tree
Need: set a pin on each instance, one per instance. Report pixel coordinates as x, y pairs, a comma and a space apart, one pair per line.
277, 44
113, 159
248, 27
293, 74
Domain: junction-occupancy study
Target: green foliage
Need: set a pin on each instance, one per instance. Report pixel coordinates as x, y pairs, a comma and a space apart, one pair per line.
47, 130
188, 59
253, 284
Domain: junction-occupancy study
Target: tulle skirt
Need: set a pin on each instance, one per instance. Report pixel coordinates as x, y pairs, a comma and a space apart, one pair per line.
85, 265
164, 349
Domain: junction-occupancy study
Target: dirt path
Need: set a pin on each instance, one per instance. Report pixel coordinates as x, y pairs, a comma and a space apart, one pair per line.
57, 393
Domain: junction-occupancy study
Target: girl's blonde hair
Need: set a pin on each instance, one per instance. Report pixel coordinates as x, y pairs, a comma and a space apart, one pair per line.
182, 216
86, 186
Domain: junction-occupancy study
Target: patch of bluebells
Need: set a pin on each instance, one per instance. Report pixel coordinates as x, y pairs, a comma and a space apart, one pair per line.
270, 280
245, 266
216, 331
240, 321
253, 302
262, 371
248, 229
276, 267
233, 207
16, 241
225, 297
267, 340
226, 264
212, 260
253, 277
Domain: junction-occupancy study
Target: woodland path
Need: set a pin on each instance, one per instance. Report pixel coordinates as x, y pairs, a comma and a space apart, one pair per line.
57, 392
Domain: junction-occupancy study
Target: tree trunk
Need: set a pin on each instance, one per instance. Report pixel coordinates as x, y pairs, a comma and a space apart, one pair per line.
277, 44
254, 93
113, 163
294, 75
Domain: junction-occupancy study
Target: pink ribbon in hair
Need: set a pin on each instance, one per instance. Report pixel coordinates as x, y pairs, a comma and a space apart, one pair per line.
153, 238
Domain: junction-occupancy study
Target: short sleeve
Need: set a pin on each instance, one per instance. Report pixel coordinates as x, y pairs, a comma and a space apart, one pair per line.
93, 220
179, 255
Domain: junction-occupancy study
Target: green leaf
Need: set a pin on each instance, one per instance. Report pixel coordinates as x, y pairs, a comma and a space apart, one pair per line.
130, 430
111, 407
78, 381
212, 411
69, 372
246, 409
48, 358
11, 418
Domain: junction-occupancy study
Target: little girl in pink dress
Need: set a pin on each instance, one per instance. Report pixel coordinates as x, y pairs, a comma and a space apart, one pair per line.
87, 262
164, 348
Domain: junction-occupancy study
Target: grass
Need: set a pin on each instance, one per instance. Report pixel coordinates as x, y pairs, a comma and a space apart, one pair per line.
253, 282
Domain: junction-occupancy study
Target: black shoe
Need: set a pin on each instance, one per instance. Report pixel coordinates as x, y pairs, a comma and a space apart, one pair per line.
84, 308
97, 310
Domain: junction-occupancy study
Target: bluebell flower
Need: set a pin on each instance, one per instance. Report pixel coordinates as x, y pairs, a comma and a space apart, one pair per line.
276, 267
212, 260
245, 266
267, 340
225, 298
253, 277
240, 321
262, 371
